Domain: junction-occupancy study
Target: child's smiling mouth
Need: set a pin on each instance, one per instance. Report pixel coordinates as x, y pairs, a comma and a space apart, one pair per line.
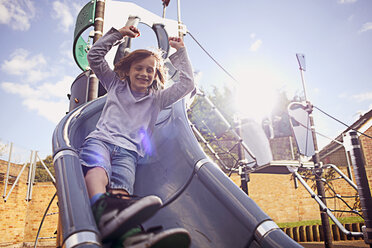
143, 80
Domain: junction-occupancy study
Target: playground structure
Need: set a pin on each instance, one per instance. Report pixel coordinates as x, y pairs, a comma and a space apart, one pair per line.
34, 158
187, 180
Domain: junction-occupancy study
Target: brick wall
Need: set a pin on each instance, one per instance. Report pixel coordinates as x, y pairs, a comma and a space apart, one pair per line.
281, 148
14, 170
367, 152
278, 197
42, 194
20, 219
275, 194
338, 157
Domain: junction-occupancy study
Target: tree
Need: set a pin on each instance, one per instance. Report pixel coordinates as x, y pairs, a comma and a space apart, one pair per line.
213, 128
280, 117
3, 149
218, 134
41, 175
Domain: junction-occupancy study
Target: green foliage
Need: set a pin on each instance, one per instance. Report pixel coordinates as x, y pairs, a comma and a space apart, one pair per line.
344, 220
3, 149
215, 131
41, 175
280, 117
213, 128
330, 175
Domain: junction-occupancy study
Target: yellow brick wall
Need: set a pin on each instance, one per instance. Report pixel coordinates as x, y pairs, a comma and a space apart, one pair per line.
366, 144
14, 170
278, 197
275, 194
42, 194
13, 216
20, 219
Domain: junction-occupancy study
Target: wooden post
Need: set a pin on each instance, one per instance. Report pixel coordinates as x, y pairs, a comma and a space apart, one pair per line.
98, 32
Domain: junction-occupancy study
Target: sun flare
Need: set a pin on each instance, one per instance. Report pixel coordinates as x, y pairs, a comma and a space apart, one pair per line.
255, 101
256, 97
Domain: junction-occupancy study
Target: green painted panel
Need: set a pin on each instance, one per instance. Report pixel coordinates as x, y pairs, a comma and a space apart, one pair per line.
80, 53
84, 20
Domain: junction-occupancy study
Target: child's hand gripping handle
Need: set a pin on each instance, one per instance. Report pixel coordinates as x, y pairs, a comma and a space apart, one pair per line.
128, 31
130, 28
132, 21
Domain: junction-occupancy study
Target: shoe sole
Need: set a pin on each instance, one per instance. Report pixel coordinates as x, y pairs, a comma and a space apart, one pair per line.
131, 217
171, 238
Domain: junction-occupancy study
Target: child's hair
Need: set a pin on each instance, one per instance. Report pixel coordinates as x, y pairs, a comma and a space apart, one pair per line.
122, 67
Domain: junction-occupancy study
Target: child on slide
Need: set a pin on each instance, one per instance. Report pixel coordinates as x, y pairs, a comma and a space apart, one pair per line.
109, 154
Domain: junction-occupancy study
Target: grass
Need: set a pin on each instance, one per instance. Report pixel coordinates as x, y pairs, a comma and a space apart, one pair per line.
343, 220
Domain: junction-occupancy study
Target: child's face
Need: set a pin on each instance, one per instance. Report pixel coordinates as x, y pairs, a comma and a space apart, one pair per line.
142, 74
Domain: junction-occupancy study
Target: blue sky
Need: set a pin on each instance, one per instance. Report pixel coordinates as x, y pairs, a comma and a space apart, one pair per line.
255, 40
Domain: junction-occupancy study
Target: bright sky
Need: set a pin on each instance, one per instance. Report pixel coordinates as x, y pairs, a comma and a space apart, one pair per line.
255, 40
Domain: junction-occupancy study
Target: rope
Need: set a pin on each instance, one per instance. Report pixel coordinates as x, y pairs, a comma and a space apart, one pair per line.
218, 64
210, 56
342, 122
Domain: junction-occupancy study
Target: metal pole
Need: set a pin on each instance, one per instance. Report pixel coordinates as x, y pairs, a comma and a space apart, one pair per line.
320, 188
32, 177
303, 83
42, 220
164, 10
29, 176
8, 168
205, 142
356, 155
165, 5
325, 209
98, 32
219, 114
346, 178
350, 175
291, 145
15, 182
295, 181
318, 171
349, 171
241, 156
180, 33
48, 171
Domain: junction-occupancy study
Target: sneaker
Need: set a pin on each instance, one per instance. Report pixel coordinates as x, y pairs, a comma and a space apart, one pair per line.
116, 214
171, 238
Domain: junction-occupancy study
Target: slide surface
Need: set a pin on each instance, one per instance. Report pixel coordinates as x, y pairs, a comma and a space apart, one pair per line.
196, 194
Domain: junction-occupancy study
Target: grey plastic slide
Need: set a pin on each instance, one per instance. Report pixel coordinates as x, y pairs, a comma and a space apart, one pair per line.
196, 194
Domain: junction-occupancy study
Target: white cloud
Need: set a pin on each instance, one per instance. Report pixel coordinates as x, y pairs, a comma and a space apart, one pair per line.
63, 13
52, 111
23, 90
65, 51
342, 95
316, 91
17, 13
47, 91
350, 18
23, 64
346, 1
366, 26
256, 45
59, 89
48, 100
367, 96
4, 14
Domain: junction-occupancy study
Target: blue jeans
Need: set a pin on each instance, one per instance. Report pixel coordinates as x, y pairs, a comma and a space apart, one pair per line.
119, 163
